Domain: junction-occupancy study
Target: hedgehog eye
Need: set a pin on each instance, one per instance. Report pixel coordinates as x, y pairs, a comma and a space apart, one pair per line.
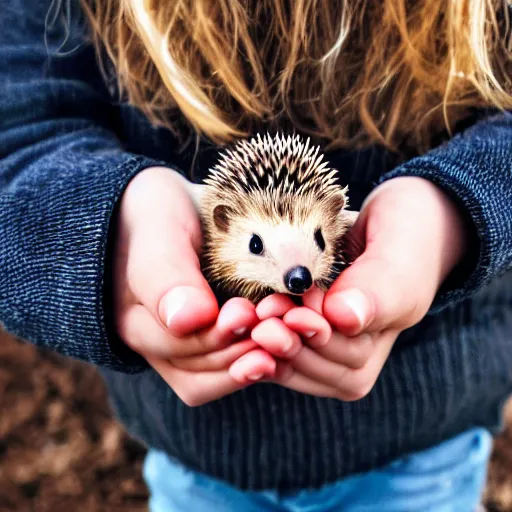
319, 239
256, 245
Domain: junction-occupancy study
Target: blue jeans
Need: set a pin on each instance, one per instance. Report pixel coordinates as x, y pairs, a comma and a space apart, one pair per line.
447, 478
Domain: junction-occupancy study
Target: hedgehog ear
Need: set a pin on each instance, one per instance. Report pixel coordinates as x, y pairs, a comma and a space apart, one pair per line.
221, 216
337, 203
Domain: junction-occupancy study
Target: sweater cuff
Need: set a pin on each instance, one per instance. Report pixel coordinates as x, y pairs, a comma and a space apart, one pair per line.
112, 352
477, 266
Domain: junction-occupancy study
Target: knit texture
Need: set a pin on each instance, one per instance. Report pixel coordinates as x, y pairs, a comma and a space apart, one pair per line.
68, 149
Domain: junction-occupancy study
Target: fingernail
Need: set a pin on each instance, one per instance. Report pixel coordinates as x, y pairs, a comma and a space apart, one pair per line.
309, 334
239, 372
356, 301
176, 300
240, 331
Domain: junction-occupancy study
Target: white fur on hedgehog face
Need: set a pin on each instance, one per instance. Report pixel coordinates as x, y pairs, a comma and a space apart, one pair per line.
285, 246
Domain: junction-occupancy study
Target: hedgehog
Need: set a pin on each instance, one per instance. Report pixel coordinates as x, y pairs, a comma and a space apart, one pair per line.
273, 217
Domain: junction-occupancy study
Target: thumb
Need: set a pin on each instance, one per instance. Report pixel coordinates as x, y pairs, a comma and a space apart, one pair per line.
386, 287
163, 269
187, 303
413, 237
169, 282
370, 297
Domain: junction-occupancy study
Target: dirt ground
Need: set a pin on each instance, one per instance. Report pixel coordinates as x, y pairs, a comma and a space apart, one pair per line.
61, 450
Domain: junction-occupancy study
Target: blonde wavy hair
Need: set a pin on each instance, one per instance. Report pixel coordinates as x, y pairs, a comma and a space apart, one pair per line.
348, 73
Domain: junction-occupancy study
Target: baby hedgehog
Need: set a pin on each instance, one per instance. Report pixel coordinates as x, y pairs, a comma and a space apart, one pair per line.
273, 218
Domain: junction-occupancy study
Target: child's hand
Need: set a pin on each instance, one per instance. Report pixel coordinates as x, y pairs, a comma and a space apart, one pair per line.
325, 363
164, 308
413, 237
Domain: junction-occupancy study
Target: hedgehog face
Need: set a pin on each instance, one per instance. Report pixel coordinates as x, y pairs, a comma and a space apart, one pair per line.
284, 257
260, 248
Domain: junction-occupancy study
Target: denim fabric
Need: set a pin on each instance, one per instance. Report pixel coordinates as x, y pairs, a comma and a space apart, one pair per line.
68, 148
448, 478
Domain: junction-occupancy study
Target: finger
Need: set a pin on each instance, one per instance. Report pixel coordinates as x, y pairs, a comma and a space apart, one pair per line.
297, 382
196, 388
413, 237
314, 299
283, 371
187, 309
313, 328
277, 339
382, 288
216, 360
351, 384
343, 356
275, 305
164, 236
370, 296
174, 290
254, 366
140, 331
236, 319
353, 352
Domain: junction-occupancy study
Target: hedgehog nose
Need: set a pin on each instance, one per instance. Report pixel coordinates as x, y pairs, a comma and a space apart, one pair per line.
298, 280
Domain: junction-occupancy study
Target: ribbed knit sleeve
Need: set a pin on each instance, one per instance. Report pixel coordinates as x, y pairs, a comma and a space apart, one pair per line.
475, 169
62, 171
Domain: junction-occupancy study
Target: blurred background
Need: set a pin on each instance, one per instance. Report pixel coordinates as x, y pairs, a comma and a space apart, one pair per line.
61, 449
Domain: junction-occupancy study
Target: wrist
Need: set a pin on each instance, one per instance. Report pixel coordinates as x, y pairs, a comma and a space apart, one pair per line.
455, 232
448, 238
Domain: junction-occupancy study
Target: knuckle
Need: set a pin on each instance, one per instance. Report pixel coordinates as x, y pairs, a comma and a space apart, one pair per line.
417, 312
408, 301
414, 311
191, 398
123, 330
360, 362
211, 341
357, 355
357, 389
274, 323
363, 388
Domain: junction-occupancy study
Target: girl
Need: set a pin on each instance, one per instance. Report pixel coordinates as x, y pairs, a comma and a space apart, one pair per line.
383, 394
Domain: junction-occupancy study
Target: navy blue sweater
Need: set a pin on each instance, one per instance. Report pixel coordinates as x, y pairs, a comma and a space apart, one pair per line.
68, 150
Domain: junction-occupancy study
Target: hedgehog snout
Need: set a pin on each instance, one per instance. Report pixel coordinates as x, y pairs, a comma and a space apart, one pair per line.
298, 280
